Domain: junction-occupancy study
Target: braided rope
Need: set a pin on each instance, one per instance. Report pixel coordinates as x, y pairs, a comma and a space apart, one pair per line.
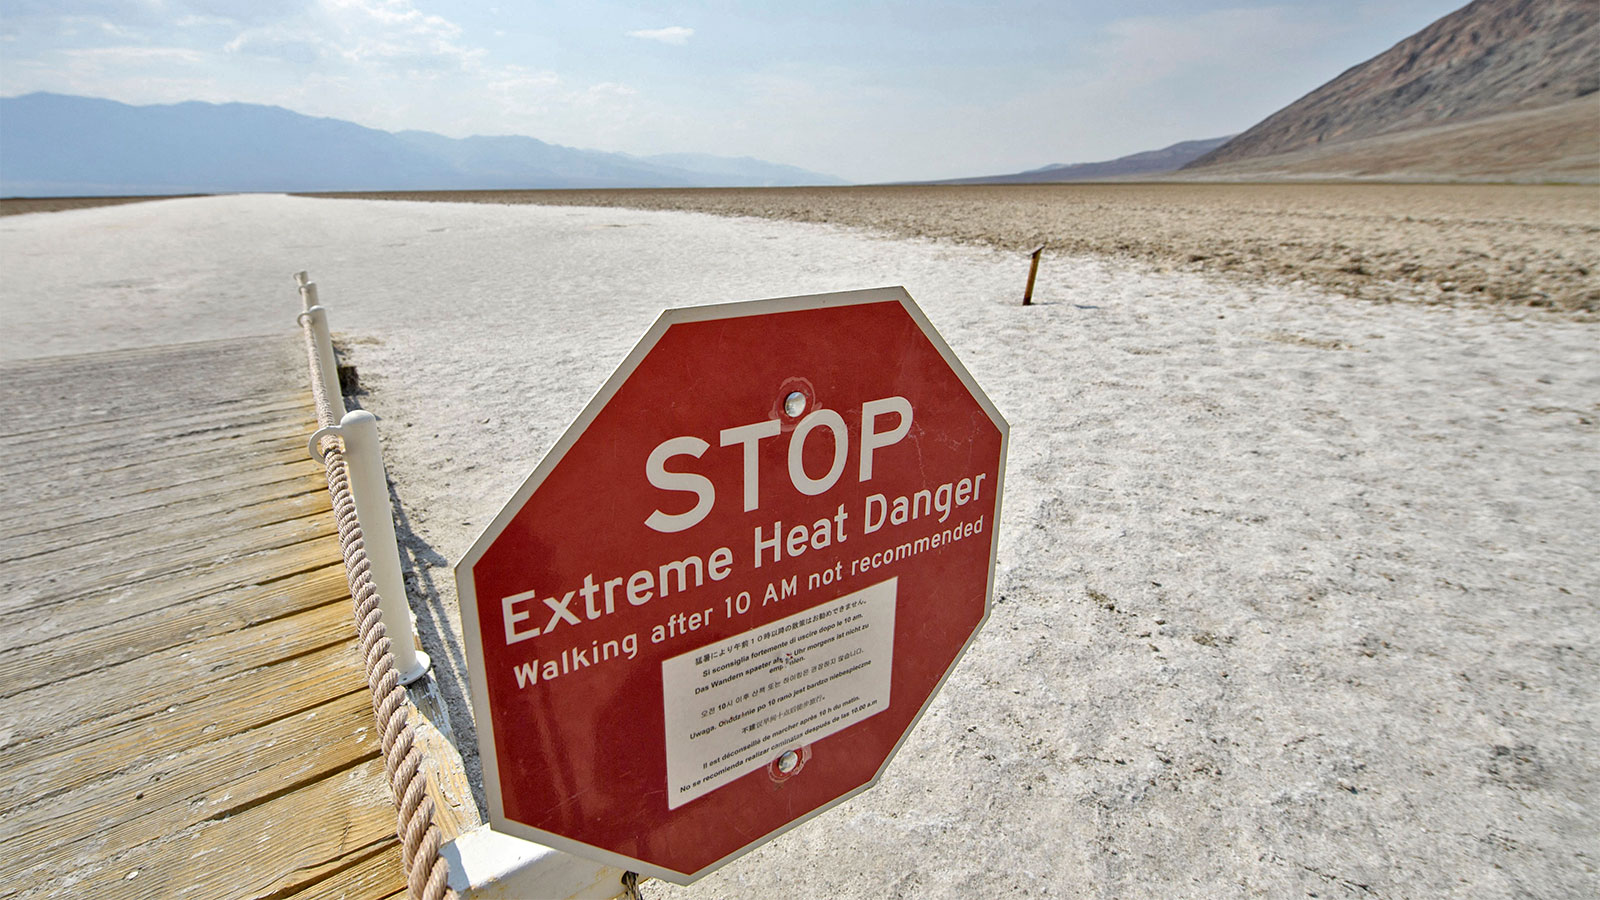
425, 870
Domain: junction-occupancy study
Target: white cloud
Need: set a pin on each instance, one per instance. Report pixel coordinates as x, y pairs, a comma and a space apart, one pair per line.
521, 93
675, 34
134, 57
394, 34
205, 22
275, 44
76, 28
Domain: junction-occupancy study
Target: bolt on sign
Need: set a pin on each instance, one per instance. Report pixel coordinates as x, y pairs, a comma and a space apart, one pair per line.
722, 600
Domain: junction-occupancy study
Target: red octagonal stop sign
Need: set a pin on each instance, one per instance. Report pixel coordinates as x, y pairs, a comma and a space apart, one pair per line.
722, 600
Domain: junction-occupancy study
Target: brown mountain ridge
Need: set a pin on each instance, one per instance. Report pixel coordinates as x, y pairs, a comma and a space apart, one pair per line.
1490, 63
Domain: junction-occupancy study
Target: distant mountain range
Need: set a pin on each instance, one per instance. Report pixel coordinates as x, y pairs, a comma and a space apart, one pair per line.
1499, 89
54, 145
1149, 162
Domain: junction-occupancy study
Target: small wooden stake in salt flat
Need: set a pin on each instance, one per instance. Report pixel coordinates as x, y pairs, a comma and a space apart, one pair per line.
1033, 272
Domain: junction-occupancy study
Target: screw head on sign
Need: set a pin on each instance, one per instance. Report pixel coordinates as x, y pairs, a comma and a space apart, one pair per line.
788, 762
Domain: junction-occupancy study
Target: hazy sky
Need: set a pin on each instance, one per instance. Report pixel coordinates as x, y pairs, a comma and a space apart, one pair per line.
865, 91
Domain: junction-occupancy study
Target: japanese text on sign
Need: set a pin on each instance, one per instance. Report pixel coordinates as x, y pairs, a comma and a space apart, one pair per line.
733, 705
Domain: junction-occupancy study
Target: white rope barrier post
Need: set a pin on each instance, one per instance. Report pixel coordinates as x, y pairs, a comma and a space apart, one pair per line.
328, 368
308, 290
369, 484
427, 873
369, 488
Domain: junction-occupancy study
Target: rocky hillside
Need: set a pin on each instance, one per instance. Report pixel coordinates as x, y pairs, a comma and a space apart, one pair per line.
1487, 58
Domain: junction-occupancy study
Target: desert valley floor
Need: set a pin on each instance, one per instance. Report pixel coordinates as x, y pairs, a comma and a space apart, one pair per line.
1297, 592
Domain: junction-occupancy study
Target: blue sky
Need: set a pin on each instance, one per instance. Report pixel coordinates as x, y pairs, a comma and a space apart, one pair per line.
865, 91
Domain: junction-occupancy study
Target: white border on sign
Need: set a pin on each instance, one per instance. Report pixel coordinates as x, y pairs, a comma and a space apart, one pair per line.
467, 594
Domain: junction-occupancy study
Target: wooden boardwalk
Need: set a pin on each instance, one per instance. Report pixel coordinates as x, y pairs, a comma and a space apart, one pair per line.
182, 709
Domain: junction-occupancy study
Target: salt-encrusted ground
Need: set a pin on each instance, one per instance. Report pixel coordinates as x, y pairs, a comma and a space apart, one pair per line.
1298, 595
1458, 244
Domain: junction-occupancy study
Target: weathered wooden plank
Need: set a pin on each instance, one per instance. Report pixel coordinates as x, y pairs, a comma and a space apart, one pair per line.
243, 509
87, 753
197, 451
102, 476
189, 513
54, 608
127, 600
66, 390
156, 421
205, 671
86, 478
152, 428
39, 519
89, 415
162, 796
134, 536
216, 614
85, 391
57, 462
166, 355
31, 586
376, 876
149, 438
61, 399
264, 851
